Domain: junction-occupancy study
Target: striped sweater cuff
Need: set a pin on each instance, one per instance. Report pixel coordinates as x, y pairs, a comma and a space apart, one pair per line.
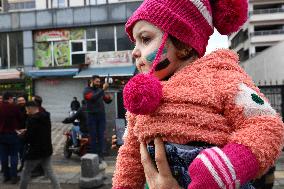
232, 166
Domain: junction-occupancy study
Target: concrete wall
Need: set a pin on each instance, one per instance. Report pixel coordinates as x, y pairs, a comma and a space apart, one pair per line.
267, 68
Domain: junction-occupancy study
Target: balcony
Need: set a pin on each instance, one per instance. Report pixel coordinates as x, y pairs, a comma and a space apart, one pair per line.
275, 15
268, 32
267, 11
267, 36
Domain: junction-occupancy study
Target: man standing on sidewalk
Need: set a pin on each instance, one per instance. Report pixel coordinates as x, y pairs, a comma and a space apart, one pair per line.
10, 119
37, 136
96, 122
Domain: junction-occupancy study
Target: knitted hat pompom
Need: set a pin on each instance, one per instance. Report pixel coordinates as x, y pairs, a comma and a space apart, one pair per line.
142, 94
229, 15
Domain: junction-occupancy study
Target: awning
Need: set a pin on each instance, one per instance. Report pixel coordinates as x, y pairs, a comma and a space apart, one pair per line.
52, 73
10, 74
111, 71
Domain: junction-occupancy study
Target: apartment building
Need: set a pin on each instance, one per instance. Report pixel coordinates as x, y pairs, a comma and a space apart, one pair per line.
52, 47
264, 28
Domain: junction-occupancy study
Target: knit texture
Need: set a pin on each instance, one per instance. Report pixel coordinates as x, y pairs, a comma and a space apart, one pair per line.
230, 167
191, 21
200, 104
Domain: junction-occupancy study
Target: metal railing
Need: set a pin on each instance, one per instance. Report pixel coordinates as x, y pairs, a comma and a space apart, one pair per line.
268, 32
267, 11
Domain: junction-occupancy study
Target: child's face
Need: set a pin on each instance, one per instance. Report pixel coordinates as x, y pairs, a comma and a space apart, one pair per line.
147, 42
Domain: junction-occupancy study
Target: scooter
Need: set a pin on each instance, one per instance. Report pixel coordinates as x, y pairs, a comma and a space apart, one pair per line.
83, 145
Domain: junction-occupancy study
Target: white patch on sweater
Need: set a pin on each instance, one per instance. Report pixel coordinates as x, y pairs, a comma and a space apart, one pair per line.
244, 99
125, 133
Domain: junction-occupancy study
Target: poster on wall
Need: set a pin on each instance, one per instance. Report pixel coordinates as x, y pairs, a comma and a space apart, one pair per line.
52, 35
77, 34
52, 48
61, 52
109, 59
43, 54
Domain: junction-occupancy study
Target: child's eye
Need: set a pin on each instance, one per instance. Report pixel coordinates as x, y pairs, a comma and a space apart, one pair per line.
145, 40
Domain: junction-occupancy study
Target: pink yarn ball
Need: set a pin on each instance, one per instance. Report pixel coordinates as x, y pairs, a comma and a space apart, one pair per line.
229, 15
142, 94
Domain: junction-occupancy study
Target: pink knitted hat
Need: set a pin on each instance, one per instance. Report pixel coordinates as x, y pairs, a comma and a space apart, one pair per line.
191, 21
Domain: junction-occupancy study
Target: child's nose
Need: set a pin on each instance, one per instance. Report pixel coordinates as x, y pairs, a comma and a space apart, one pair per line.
136, 53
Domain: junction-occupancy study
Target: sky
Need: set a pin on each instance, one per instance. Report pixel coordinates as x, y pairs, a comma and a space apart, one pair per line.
217, 41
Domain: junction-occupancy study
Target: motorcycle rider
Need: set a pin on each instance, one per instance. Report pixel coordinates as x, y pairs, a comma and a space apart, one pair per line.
79, 120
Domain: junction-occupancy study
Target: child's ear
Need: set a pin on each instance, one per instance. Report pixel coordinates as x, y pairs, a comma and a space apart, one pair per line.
185, 53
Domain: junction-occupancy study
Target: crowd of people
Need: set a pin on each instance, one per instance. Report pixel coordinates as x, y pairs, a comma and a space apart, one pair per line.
25, 138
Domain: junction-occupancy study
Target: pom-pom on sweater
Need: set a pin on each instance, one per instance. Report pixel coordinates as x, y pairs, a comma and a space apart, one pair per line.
211, 100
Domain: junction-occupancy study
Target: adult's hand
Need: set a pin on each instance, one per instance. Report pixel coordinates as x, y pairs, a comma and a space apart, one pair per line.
114, 142
159, 177
105, 86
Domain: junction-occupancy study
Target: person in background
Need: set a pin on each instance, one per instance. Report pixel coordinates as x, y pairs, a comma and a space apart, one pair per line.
81, 128
1, 98
38, 171
10, 120
21, 101
75, 104
94, 97
37, 136
38, 100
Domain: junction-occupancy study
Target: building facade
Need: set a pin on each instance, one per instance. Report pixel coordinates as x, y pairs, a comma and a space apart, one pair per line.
51, 48
264, 28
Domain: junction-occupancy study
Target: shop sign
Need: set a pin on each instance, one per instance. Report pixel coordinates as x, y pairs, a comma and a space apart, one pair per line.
52, 35
109, 59
12, 86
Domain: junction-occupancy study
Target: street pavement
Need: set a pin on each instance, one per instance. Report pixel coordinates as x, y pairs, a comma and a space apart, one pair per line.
68, 170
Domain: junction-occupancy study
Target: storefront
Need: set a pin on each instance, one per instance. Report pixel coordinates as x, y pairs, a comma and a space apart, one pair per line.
12, 81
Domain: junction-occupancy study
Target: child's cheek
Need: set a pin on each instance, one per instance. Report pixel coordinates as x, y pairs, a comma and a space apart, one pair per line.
151, 57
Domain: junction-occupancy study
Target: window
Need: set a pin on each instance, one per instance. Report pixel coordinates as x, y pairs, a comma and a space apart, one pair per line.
105, 38
78, 51
77, 46
58, 3
3, 51
123, 42
97, 2
21, 5
91, 39
11, 54
16, 49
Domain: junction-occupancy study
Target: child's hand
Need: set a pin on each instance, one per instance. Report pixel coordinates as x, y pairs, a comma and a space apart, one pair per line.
161, 178
229, 167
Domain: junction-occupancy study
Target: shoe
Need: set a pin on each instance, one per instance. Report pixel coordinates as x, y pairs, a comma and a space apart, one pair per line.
14, 180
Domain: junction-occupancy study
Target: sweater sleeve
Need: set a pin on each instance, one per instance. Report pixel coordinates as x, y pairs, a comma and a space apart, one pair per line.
129, 172
255, 123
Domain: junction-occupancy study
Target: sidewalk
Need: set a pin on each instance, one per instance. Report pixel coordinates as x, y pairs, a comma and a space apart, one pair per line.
279, 174
68, 174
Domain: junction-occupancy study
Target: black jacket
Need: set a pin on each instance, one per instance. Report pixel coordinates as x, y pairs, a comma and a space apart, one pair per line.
38, 136
94, 99
75, 105
81, 115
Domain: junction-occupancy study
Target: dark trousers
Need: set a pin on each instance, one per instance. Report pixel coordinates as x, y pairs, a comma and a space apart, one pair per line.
9, 148
97, 125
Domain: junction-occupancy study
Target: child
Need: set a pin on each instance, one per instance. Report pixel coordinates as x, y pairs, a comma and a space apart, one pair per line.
204, 103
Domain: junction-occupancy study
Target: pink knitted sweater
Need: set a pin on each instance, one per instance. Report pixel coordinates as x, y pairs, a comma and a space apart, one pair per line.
211, 100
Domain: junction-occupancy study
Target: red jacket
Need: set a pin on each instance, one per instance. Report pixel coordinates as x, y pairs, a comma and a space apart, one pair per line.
10, 117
